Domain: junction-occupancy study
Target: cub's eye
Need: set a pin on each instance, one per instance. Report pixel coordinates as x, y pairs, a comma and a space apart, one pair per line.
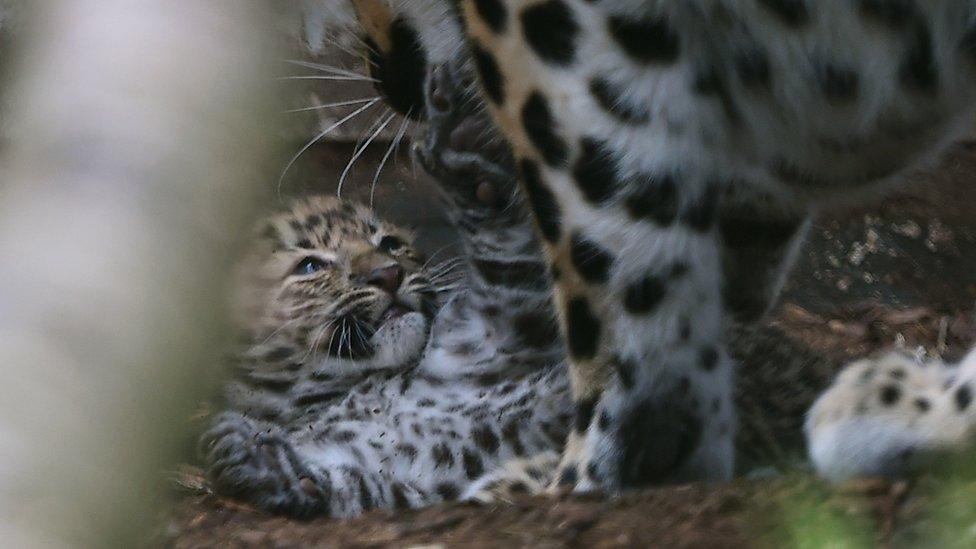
390, 244
309, 265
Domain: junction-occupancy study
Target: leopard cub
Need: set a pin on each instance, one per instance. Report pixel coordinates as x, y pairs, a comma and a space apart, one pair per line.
328, 295
368, 379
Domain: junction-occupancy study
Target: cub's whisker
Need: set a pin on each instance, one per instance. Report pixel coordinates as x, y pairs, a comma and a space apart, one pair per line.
437, 252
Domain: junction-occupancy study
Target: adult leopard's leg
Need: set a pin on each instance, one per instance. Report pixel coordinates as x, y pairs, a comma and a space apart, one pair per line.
760, 239
632, 119
626, 200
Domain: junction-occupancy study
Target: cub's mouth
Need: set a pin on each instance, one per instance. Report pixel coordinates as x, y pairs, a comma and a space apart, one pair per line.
351, 338
357, 336
394, 311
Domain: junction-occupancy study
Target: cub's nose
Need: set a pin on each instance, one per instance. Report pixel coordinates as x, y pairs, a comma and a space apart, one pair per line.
387, 279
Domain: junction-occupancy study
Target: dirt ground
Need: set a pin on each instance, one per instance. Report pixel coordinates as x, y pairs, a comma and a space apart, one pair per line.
739, 514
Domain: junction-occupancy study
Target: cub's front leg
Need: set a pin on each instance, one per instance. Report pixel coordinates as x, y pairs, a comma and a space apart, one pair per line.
264, 465
254, 462
505, 320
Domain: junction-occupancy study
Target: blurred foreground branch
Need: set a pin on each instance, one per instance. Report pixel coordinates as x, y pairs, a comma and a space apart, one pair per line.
135, 155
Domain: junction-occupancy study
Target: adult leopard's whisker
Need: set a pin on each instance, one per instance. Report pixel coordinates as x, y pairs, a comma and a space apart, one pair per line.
332, 105
386, 156
334, 41
325, 68
358, 153
358, 78
319, 136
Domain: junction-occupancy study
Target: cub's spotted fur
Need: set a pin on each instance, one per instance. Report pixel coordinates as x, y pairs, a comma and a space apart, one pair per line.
671, 154
362, 385
356, 390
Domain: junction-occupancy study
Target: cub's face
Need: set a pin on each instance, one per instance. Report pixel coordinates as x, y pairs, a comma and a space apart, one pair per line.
326, 280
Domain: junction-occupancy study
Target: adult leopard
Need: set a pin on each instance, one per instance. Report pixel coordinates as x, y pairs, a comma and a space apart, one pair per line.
672, 153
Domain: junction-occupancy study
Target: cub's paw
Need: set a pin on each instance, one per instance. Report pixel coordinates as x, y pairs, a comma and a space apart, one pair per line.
515, 478
462, 152
890, 416
255, 464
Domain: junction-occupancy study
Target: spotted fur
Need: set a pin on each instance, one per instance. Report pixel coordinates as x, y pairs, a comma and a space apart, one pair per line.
671, 154
892, 415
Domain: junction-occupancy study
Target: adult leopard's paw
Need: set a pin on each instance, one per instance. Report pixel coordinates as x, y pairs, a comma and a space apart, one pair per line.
891, 416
